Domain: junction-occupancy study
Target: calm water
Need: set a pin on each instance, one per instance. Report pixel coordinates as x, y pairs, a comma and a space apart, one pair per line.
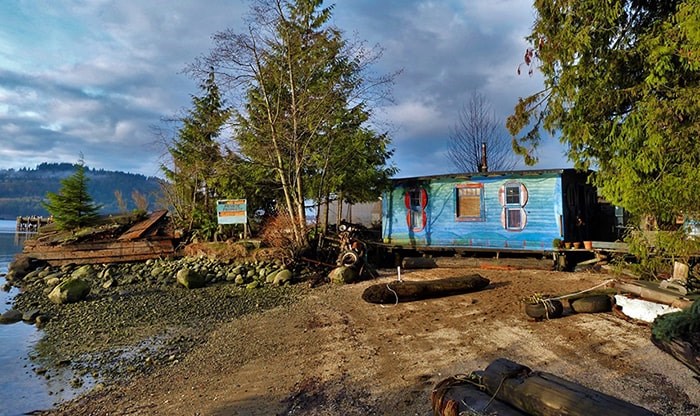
21, 390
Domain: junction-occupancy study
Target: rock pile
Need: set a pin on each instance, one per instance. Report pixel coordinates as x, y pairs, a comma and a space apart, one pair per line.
70, 283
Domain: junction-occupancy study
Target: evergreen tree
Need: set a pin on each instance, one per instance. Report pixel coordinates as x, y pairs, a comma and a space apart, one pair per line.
72, 207
622, 87
303, 87
195, 154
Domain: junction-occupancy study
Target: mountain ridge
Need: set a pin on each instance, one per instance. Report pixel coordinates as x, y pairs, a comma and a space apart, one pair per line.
22, 190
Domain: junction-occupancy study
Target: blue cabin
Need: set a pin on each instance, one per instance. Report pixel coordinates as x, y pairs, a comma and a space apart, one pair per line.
514, 210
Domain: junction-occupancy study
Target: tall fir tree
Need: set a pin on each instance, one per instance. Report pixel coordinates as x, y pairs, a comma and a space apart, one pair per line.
195, 154
72, 207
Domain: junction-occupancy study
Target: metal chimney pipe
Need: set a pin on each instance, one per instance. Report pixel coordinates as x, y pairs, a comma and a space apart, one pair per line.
484, 164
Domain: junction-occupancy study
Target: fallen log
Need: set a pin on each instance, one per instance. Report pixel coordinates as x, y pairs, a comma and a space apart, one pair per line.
651, 291
459, 395
540, 393
406, 291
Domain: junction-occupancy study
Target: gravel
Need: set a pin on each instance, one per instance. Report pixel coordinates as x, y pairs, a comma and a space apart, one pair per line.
136, 317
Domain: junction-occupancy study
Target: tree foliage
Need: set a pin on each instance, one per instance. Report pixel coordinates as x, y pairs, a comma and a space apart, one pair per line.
622, 87
195, 154
303, 118
72, 207
477, 125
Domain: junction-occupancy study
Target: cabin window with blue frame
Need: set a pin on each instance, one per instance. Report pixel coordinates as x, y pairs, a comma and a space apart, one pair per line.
470, 202
513, 207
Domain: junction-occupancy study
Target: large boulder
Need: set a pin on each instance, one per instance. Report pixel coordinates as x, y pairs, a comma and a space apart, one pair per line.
11, 317
86, 272
343, 274
282, 277
31, 315
190, 279
71, 290
19, 267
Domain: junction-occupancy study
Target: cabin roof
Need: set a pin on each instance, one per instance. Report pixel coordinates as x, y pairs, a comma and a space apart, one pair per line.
476, 175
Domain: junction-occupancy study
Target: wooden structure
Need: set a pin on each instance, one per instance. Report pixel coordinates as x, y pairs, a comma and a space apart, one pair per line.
522, 211
146, 239
32, 223
530, 392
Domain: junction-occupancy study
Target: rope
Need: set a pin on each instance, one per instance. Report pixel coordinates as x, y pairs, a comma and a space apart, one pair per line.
583, 291
495, 393
395, 294
441, 389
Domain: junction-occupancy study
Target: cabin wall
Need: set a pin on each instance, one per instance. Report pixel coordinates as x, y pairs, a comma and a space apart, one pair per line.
368, 214
542, 212
585, 218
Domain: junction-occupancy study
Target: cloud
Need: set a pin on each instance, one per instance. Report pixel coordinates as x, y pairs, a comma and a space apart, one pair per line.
97, 76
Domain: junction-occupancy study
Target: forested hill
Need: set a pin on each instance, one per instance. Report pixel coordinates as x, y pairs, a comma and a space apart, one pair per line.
21, 191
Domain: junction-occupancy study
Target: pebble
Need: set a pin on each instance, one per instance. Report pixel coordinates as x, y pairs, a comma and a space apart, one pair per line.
121, 325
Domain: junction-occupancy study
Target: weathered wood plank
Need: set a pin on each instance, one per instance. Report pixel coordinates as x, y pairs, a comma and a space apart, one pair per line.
462, 262
682, 351
139, 229
545, 394
102, 245
103, 260
406, 291
158, 248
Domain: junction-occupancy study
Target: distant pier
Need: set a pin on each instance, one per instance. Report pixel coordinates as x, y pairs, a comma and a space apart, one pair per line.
32, 223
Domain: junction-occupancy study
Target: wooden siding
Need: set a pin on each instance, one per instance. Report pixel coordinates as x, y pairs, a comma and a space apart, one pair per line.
543, 210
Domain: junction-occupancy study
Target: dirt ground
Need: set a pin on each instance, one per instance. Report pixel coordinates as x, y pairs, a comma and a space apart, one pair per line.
333, 354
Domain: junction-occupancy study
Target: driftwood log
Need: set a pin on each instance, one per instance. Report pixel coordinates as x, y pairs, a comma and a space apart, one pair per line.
540, 393
406, 291
651, 291
456, 396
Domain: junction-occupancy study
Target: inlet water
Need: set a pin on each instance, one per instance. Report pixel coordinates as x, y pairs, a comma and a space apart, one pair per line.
22, 390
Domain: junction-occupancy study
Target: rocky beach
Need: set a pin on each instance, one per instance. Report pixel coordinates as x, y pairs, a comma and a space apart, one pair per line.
136, 317
142, 344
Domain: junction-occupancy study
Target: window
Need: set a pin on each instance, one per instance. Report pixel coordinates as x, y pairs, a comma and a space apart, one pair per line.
514, 218
513, 197
513, 194
469, 202
513, 208
416, 200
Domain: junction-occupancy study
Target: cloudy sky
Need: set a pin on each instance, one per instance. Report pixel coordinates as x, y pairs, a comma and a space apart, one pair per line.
96, 76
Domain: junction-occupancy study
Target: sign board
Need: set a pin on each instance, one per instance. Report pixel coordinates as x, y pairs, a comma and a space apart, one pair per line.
231, 211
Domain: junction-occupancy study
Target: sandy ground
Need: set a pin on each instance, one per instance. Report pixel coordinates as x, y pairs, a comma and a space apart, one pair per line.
334, 354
